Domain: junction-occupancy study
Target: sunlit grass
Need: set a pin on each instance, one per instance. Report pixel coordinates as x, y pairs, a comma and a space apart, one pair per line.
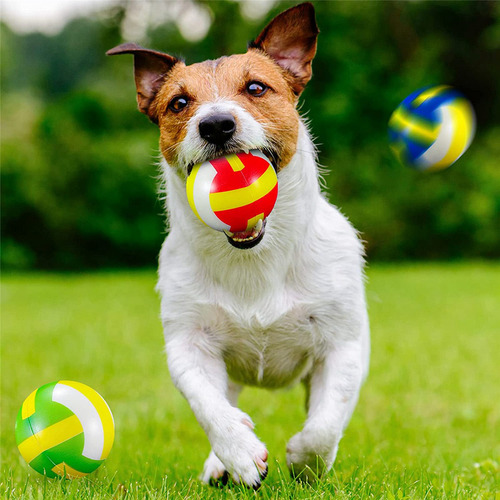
426, 425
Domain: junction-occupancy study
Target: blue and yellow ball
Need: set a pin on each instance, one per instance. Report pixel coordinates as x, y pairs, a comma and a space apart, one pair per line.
233, 192
432, 128
65, 428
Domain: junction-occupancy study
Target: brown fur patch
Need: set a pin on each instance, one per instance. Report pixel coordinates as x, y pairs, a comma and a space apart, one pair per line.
290, 39
227, 78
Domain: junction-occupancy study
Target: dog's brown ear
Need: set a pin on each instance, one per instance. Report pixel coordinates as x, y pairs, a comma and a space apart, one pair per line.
150, 70
290, 39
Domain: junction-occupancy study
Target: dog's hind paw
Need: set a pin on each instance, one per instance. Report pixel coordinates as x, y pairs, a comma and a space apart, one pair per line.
214, 471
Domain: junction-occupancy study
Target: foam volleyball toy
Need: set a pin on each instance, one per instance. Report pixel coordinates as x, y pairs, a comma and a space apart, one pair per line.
432, 128
233, 192
64, 429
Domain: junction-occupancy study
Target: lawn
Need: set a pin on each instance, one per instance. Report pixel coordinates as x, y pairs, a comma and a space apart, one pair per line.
427, 424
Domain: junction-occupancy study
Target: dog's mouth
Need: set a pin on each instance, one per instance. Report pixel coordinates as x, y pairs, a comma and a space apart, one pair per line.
252, 236
249, 238
273, 156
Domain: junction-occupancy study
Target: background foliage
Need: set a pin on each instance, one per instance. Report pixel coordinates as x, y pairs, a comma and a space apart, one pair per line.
79, 162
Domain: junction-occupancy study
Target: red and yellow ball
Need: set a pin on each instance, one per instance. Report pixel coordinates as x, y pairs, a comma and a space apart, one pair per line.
234, 192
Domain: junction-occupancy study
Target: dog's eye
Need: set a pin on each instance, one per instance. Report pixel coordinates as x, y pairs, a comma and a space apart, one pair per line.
257, 89
178, 103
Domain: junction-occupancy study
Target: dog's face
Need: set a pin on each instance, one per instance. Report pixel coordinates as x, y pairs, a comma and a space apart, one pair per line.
232, 104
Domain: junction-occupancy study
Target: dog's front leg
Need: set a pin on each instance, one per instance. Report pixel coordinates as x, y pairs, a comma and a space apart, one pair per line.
199, 372
333, 388
214, 471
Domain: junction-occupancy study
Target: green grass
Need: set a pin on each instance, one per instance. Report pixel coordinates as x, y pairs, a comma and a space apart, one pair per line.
427, 424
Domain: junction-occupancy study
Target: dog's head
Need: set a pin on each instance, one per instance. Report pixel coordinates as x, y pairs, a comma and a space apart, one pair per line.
232, 104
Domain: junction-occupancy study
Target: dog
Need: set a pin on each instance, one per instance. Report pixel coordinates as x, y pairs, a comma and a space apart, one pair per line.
280, 303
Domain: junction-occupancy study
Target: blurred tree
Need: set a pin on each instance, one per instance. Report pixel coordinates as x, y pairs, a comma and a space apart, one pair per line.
78, 161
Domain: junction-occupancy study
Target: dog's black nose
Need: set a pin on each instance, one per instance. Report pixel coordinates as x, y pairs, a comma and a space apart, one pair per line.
217, 129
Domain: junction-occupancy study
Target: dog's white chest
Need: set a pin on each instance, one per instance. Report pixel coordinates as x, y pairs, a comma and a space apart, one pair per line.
264, 352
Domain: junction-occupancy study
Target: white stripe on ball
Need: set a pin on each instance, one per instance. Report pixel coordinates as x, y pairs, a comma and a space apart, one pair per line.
89, 417
440, 147
201, 196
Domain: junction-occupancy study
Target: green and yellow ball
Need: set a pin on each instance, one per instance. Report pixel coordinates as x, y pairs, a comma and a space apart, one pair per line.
432, 128
65, 429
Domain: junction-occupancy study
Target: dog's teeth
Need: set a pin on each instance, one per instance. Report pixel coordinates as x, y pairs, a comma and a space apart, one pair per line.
255, 233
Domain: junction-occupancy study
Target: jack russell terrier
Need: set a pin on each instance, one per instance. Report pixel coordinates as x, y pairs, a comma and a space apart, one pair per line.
281, 303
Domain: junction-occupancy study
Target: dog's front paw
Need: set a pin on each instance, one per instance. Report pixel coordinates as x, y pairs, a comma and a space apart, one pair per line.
310, 454
238, 450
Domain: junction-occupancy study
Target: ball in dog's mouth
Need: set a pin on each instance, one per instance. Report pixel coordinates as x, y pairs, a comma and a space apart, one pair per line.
247, 239
234, 193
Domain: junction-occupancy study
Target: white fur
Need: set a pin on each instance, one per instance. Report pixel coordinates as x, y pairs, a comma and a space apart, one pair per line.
292, 308
248, 131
